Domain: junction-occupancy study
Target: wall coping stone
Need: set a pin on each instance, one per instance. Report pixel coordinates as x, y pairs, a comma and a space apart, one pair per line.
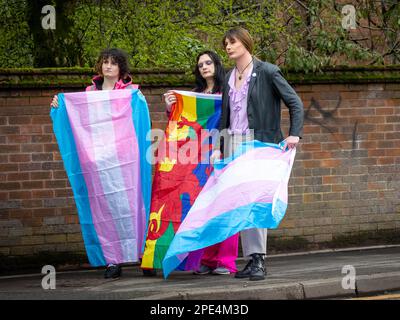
48, 78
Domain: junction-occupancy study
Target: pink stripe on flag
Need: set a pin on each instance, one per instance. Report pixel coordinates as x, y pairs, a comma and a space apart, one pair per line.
229, 199
282, 191
255, 154
79, 115
128, 155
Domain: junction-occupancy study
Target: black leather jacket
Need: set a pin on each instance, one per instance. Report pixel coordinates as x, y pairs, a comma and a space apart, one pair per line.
266, 90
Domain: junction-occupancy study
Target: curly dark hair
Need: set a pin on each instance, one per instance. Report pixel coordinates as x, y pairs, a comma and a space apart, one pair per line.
219, 76
116, 55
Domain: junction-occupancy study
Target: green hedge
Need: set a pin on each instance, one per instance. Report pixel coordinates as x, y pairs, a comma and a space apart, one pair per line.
80, 77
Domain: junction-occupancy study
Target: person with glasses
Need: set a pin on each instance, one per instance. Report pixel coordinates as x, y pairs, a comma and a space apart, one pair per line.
218, 259
251, 109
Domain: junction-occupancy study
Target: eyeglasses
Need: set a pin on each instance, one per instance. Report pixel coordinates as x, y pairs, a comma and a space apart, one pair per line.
208, 62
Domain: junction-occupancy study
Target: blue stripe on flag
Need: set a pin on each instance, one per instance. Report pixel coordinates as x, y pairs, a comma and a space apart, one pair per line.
140, 113
66, 143
242, 149
216, 230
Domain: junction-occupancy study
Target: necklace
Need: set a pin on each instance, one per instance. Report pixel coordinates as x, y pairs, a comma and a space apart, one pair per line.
241, 73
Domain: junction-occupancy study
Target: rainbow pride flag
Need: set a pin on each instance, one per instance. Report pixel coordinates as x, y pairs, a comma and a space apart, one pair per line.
247, 190
102, 141
182, 170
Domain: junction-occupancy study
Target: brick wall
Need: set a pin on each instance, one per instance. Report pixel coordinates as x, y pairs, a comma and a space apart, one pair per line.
345, 179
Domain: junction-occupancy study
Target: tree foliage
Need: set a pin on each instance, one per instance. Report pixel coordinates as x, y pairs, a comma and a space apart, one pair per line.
15, 39
303, 35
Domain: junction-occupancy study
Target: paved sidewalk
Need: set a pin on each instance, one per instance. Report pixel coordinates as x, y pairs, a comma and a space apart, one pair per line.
296, 276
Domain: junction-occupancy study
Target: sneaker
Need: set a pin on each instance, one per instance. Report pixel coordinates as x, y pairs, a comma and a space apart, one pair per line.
221, 271
112, 271
203, 270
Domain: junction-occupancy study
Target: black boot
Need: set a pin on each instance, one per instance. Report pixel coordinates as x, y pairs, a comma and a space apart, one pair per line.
245, 273
257, 268
113, 271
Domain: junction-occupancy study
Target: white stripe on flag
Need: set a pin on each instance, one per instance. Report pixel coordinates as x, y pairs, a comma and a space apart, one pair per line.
240, 172
109, 170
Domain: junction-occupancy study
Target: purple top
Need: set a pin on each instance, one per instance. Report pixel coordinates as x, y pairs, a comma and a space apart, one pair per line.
239, 124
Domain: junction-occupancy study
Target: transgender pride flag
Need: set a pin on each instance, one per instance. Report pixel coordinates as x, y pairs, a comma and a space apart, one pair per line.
248, 190
102, 141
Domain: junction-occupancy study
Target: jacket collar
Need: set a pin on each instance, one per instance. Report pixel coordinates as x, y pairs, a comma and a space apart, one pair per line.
120, 84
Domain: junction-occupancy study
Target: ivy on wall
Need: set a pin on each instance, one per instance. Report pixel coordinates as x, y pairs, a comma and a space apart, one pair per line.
302, 35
